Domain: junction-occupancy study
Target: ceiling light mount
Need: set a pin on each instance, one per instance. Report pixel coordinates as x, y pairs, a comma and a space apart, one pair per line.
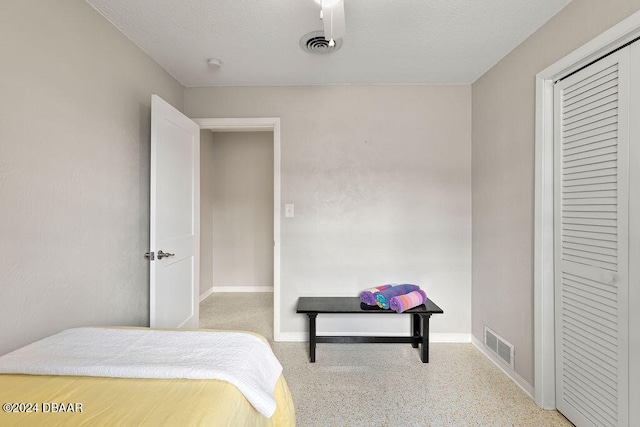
214, 63
328, 3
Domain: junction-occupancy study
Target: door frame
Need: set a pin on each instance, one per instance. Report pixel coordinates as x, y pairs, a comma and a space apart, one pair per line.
260, 124
544, 316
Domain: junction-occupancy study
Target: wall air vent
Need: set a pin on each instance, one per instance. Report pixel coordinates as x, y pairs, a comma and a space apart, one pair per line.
499, 346
315, 43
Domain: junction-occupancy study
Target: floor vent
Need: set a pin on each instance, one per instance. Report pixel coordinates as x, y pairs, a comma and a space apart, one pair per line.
498, 345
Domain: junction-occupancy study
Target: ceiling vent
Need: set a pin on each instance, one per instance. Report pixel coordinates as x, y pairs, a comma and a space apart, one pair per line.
315, 43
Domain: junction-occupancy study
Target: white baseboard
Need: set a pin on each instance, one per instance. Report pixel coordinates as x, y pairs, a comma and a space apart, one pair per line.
433, 338
515, 377
449, 338
362, 334
304, 336
293, 337
206, 294
218, 289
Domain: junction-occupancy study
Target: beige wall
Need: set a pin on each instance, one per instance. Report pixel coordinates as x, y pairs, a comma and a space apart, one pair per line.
380, 179
242, 174
206, 211
74, 170
503, 172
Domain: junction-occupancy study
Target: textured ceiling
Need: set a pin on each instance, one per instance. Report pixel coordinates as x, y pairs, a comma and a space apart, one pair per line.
387, 41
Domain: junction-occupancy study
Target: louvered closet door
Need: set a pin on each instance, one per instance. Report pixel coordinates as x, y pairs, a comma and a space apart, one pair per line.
591, 243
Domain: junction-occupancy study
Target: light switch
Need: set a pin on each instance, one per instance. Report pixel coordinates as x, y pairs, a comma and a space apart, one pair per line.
288, 210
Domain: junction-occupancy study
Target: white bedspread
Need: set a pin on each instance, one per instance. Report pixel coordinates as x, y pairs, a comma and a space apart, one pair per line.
240, 359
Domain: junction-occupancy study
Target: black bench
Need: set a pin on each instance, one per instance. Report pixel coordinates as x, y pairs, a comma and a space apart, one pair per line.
312, 306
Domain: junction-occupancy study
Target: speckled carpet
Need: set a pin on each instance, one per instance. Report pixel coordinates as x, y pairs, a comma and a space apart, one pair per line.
384, 384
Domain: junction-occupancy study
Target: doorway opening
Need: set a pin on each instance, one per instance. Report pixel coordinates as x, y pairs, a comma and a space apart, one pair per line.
272, 126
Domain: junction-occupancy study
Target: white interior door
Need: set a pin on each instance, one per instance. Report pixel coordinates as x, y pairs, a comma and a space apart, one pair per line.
591, 219
175, 217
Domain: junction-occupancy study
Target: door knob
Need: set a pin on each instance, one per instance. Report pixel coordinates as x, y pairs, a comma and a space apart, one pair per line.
164, 254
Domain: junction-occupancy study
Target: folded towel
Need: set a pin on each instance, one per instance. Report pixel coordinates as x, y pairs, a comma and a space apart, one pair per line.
383, 297
404, 302
367, 296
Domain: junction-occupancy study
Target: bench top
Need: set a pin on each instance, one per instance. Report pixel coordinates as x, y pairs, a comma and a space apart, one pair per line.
354, 305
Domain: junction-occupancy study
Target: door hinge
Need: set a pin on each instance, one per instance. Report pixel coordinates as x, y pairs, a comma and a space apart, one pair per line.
149, 255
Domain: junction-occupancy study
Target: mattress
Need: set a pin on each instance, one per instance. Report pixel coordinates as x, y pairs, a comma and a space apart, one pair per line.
74, 400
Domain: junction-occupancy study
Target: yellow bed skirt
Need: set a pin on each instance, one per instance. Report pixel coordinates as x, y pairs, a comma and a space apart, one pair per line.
127, 401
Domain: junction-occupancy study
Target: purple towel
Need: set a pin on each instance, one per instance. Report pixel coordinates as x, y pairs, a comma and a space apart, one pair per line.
404, 302
383, 297
368, 297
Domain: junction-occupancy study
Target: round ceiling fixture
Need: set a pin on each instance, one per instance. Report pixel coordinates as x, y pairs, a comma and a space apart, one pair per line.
214, 63
314, 42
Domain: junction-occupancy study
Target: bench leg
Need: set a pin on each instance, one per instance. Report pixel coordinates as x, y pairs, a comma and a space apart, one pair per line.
312, 336
415, 328
424, 350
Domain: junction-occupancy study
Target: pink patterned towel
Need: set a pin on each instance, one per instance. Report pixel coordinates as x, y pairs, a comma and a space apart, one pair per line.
383, 298
367, 296
404, 302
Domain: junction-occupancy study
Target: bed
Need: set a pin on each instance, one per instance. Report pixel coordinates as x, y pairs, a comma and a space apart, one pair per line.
113, 398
